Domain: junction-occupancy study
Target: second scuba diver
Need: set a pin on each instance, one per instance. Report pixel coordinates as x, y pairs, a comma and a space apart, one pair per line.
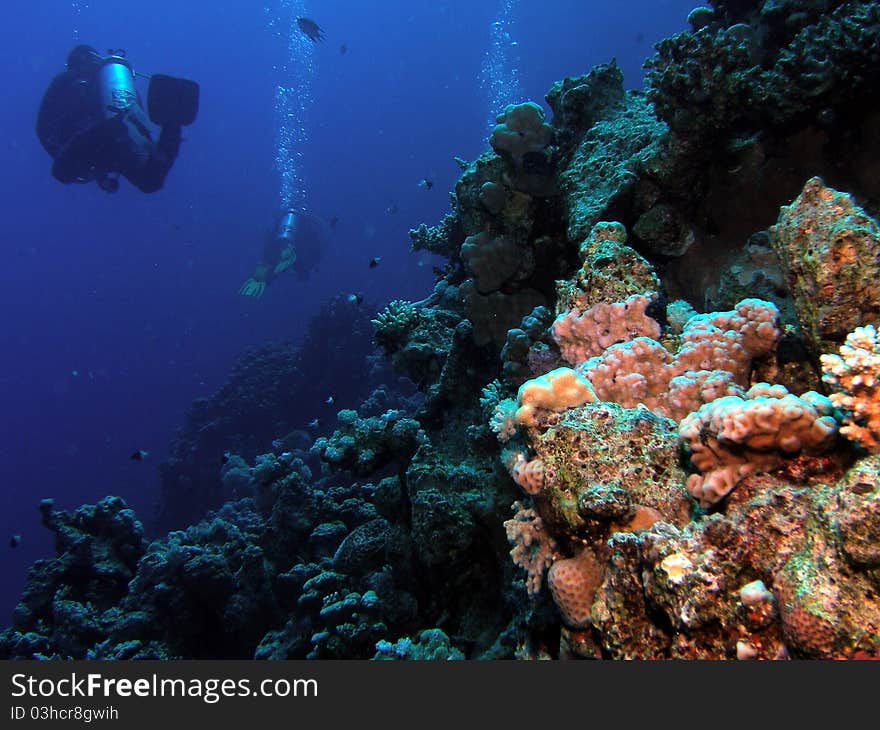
92, 123
297, 238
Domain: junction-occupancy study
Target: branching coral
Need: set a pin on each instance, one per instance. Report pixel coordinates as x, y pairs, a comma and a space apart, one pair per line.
394, 323
855, 375
534, 549
528, 474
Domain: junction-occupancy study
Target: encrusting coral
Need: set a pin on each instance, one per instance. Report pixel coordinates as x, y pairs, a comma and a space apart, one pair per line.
830, 253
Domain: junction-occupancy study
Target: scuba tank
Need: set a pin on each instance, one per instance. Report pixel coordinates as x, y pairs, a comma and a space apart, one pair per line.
116, 86
287, 227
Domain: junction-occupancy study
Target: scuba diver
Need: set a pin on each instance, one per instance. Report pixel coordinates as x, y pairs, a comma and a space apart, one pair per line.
92, 123
296, 239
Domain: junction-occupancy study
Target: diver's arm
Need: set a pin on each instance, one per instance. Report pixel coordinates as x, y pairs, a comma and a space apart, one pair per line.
169, 142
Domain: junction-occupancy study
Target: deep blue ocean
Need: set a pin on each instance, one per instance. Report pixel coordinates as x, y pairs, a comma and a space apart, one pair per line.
119, 310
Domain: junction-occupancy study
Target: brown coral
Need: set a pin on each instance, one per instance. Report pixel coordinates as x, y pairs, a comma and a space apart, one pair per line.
830, 254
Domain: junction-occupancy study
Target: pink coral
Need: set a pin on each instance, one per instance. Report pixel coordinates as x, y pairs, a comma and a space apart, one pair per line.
554, 392
855, 375
573, 583
528, 474
534, 549
714, 359
581, 336
732, 437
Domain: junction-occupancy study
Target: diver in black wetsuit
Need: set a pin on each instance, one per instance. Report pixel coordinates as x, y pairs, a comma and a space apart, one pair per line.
297, 238
92, 123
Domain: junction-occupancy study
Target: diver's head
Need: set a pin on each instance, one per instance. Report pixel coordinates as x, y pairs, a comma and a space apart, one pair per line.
83, 58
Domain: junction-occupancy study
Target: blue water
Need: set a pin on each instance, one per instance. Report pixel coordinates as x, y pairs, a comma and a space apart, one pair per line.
118, 311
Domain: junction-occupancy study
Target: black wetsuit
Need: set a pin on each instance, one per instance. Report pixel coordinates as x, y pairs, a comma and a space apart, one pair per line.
86, 146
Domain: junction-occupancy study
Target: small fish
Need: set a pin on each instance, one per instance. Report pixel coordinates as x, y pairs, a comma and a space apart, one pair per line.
374, 262
15, 541
392, 209
139, 455
224, 458
329, 400
427, 183
314, 423
356, 298
343, 49
333, 221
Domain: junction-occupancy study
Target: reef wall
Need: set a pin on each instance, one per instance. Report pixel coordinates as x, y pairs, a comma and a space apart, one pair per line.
647, 413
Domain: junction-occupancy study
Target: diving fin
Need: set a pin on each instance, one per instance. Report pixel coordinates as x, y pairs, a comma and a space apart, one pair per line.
172, 101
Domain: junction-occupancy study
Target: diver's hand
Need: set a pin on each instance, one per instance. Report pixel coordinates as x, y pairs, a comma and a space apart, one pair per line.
288, 257
253, 288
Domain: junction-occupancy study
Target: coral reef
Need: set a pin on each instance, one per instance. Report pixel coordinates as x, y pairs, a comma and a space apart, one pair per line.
764, 68
265, 398
624, 443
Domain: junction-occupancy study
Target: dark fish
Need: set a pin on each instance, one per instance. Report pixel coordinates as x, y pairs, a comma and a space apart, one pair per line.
15, 541
333, 221
427, 183
224, 458
356, 298
374, 262
343, 49
310, 29
139, 455
314, 423
392, 209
